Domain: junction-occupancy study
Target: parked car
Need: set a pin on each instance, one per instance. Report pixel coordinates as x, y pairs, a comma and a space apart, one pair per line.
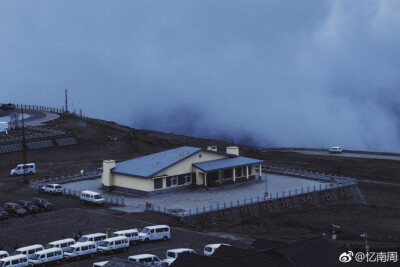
131, 234
42, 203
113, 244
209, 249
155, 232
29, 206
53, 189
3, 214
335, 149
146, 259
27, 168
173, 254
46, 257
3, 254
91, 197
15, 209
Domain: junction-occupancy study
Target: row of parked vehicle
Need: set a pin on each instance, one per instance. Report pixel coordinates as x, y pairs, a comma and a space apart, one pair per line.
24, 207
87, 246
171, 255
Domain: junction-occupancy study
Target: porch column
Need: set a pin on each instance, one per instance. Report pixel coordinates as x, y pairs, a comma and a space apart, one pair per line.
247, 172
259, 171
234, 175
205, 179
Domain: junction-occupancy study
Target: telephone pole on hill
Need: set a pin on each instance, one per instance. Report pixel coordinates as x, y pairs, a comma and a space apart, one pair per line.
66, 101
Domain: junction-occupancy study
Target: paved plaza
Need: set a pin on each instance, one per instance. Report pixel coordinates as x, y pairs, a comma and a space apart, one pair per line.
201, 197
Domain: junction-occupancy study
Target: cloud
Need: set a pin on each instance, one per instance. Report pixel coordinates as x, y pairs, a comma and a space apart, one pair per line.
274, 73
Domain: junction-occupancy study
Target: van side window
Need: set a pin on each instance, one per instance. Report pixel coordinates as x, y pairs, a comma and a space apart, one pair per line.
92, 246
15, 261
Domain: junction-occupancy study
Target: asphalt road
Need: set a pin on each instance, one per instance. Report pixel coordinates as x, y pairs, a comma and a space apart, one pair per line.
345, 154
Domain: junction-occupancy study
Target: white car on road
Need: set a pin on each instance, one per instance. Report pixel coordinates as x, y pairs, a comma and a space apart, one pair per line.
53, 189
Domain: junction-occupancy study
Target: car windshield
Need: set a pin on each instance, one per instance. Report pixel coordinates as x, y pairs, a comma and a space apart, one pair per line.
35, 256
18, 207
103, 244
17, 252
114, 235
171, 254
29, 204
83, 239
208, 249
2, 263
49, 246
145, 230
98, 197
69, 249
58, 186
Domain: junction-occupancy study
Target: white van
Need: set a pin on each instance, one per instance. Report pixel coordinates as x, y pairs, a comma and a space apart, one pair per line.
100, 263
174, 253
80, 250
91, 197
335, 149
14, 261
63, 243
29, 250
131, 234
155, 232
51, 255
96, 238
3, 254
28, 168
146, 259
211, 248
113, 244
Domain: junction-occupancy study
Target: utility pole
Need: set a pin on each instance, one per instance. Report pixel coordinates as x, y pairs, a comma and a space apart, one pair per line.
265, 169
66, 101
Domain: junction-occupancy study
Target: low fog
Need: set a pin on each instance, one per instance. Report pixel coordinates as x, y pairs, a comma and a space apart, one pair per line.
267, 73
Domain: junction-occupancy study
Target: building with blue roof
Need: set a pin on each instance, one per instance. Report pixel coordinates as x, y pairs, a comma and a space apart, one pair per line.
178, 169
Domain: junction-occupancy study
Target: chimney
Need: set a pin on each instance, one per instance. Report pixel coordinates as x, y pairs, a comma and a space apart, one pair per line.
233, 150
106, 177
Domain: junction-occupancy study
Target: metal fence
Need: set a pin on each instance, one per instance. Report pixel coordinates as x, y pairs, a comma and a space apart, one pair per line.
309, 174
332, 182
65, 179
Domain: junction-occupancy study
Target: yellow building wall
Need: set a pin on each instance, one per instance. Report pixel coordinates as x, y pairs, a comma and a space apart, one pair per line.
133, 182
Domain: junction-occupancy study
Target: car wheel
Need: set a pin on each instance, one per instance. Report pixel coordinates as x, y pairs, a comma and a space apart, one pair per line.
58, 262
165, 238
92, 256
14, 174
78, 258
112, 252
124, 249
30, 173
51, 192
147, 240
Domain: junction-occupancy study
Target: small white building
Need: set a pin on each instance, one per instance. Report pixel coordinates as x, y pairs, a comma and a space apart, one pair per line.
178, 169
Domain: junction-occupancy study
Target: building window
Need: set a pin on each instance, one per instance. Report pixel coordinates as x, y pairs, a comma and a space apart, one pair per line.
249, 169
158, 183
174, 181
188, 178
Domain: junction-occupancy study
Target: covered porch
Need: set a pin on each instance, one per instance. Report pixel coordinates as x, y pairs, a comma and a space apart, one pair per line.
227, 171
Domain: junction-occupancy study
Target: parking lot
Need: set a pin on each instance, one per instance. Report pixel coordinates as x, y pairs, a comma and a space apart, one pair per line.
62, 223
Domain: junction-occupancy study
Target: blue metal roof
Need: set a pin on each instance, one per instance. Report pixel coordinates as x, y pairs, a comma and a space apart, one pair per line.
147, 166
219, 164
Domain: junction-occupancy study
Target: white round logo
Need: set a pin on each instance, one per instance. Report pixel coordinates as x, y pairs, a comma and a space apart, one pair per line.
346, 256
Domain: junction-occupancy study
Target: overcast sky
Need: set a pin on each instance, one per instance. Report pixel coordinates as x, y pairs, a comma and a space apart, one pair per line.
270, 73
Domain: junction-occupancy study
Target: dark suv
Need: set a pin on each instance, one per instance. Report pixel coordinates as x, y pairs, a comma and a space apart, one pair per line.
15, 209
42, 203
29, 206
3, 214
